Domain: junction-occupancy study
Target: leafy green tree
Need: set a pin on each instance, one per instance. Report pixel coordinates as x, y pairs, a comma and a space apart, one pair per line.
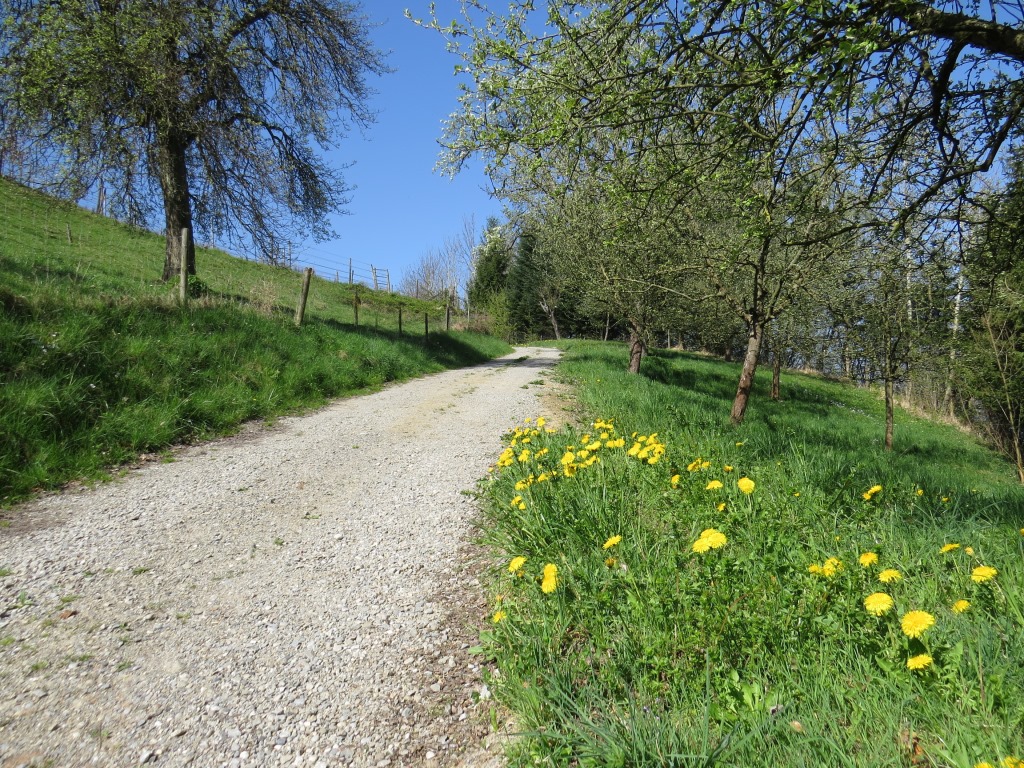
490, 272
929, 92
524, 287
208, 109
991, 365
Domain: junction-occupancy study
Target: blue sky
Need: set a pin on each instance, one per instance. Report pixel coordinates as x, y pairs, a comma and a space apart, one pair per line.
401, 208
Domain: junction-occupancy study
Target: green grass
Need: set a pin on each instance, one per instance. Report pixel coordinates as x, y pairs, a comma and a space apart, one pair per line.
98, 363
742, 655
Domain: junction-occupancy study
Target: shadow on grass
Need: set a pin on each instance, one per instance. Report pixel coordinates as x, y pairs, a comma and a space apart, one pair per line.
830, 432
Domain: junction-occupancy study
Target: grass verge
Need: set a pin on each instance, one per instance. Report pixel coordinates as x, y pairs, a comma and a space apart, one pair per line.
675, 591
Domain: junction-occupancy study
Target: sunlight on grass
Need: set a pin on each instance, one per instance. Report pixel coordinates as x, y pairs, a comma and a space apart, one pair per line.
773, 594
98, 363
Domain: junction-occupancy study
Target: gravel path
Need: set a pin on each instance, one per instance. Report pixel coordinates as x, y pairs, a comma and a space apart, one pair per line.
299, 595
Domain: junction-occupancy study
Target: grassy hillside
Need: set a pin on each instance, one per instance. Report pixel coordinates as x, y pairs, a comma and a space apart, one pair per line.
677, 591
99, 364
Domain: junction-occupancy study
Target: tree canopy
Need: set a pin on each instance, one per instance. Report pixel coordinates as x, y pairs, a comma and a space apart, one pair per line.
211, 110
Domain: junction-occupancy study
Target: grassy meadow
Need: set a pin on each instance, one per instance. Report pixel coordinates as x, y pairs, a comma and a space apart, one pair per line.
98, 362
676, 591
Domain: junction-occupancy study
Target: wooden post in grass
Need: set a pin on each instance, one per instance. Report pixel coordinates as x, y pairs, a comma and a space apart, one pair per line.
399, 319
447, 317
183, 284
355, 305
300, 311
426, 326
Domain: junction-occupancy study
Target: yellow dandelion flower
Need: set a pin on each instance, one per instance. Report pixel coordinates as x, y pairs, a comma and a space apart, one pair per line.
868, 559
610, 562
516, 565
550, 582
949, 548
710, 538
969, 551
1022, 531
674, 480
693, 466
889, 575
814, 568
921, 661
945, 499
499, 616
594, 445
516, 500
796, 494
746, 485
874, 489
920, 491
705, 464
740, 443
568, 458
714, 485
541, 422
878, 603
960, 606
984, 765
1012, 762
727, 468
721, 507
612, 542
914, 623
983, 573
831, 567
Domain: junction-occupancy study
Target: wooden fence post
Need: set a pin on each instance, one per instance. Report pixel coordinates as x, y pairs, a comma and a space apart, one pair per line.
355, 305
183, 284
350, 272
399, 319
426, 327
300, 311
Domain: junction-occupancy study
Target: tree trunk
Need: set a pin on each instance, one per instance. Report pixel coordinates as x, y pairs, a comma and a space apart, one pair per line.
549, 310
607, 325
947, 396
171, 150
888, 413
739, 405
776, 375
637, 349
554, 325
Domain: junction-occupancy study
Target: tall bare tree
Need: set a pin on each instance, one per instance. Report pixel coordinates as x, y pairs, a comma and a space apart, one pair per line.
208, 110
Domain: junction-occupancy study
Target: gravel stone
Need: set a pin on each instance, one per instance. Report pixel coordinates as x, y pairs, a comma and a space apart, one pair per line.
302, 594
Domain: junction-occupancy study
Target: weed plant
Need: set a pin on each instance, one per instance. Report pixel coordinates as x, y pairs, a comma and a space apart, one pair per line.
676, 591
98, 363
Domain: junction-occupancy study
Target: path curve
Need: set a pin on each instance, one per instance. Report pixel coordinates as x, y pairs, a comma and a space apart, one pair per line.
294, 597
